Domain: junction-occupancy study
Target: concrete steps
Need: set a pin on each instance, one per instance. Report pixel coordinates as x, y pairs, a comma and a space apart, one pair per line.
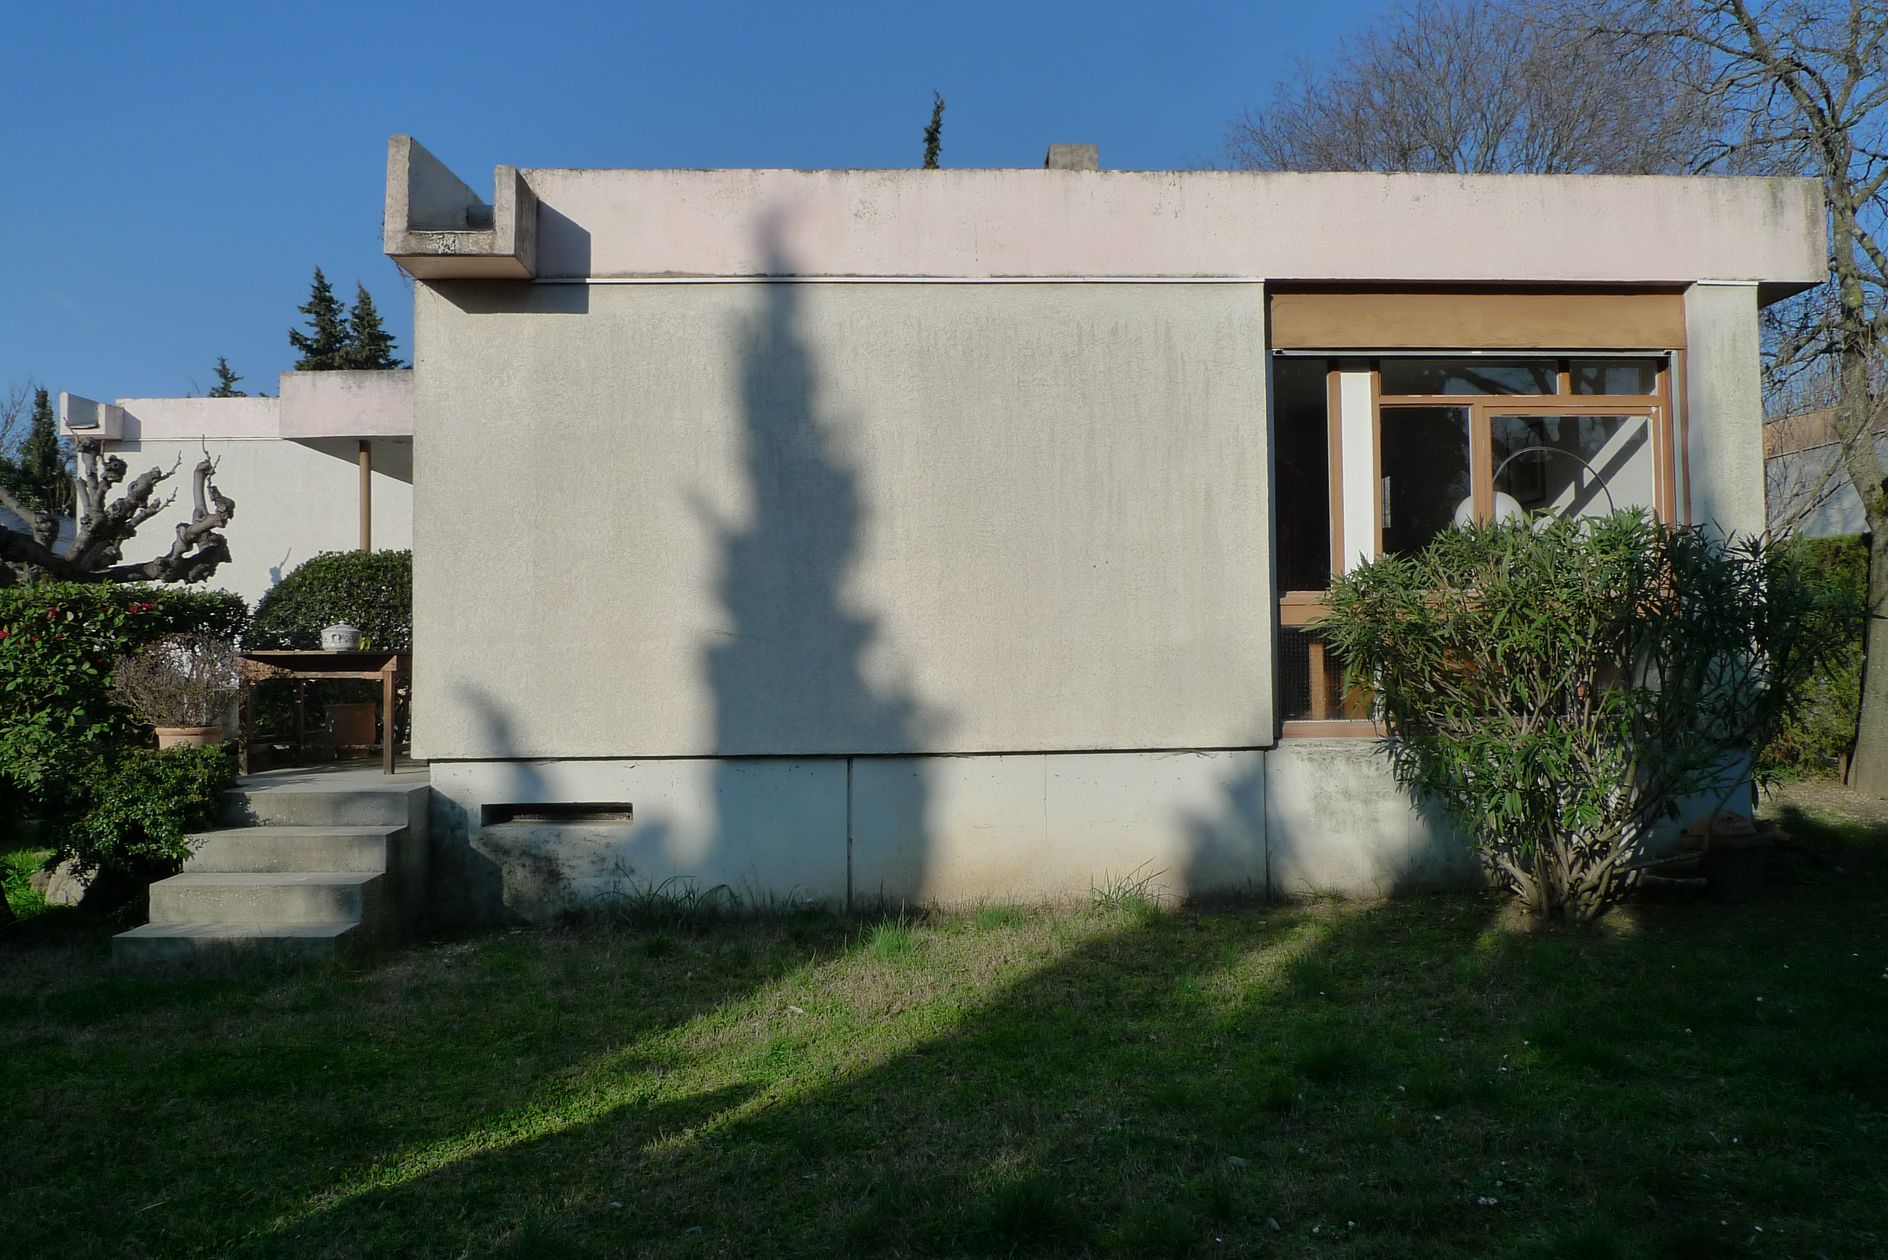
161, 947
265, 897
315, 865
296, 848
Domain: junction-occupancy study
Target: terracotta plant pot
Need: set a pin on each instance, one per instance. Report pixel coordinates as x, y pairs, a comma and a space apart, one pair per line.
188, 736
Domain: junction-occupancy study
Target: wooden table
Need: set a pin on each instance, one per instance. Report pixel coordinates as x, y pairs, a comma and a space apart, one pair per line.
303, 665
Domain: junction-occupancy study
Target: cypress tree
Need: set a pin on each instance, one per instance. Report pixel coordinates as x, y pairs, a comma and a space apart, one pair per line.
226, 379
43, 475
934, 134
325, 345
369, 344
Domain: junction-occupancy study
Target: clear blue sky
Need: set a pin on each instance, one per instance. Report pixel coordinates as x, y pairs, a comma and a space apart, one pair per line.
171, 173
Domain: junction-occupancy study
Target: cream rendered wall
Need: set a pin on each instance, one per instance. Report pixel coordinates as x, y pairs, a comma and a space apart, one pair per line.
808, 519
291, 502
1724, 402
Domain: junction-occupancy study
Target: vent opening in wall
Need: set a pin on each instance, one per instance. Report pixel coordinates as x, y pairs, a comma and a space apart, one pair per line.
563, 812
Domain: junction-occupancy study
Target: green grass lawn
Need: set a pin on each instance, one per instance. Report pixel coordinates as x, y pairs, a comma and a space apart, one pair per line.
1400, 1079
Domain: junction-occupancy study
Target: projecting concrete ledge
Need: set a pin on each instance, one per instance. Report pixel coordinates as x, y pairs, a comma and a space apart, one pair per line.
437, 228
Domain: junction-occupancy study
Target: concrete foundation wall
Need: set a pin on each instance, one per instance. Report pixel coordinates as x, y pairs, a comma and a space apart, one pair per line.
1310, 816
291, 502
805, 519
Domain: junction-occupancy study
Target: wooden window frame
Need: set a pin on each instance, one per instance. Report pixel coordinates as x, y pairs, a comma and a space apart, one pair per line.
1297, 609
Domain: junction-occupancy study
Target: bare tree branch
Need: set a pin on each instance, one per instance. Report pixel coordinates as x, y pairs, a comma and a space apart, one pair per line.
1451, 85
107, 524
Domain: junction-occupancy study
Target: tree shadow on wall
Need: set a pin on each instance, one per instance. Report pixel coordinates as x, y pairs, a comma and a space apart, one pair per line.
790, 670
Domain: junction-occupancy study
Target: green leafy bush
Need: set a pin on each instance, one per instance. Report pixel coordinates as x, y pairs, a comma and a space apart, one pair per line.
144, 807
1822, 732
370, 590
58, 642
1557, 687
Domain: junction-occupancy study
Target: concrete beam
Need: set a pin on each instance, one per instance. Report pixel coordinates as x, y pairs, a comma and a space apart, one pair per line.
437, 228
370, 404
1386, 230
85, 418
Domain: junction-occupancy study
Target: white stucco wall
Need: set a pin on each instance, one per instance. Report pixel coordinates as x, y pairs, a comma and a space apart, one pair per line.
292, 501
816, 519
290, 463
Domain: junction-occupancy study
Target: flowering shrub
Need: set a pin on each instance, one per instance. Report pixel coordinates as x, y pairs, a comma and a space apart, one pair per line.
60, 733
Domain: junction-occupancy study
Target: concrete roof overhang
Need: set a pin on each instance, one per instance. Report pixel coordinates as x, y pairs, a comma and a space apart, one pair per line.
670, 226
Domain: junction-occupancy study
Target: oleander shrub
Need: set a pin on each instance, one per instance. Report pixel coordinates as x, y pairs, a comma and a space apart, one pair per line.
1819, 736
370, 590
1557, 687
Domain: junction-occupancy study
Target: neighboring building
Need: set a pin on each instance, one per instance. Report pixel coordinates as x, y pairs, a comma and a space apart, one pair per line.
951, 534
1804, 484
325, 466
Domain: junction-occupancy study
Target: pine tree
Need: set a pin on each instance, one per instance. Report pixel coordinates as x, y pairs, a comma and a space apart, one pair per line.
44, 476
226, 379
325, 345
934, 134
369, 345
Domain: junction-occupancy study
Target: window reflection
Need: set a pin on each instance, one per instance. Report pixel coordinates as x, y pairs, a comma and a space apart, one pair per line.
1469, 376
1615, 376
1572, 465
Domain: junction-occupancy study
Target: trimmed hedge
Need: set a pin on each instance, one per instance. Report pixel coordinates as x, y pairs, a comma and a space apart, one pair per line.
370, 590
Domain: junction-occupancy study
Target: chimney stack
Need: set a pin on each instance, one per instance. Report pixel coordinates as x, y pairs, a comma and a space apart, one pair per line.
1073, 157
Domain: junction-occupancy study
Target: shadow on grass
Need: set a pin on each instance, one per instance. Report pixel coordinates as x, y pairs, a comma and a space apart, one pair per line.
236, 1096
1383, 1078
1386, 1080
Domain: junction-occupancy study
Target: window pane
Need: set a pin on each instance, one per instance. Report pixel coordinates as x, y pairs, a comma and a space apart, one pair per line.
1469, 376
1301, 451
1425, 474
1573, 465
1615, 376
1311, 681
